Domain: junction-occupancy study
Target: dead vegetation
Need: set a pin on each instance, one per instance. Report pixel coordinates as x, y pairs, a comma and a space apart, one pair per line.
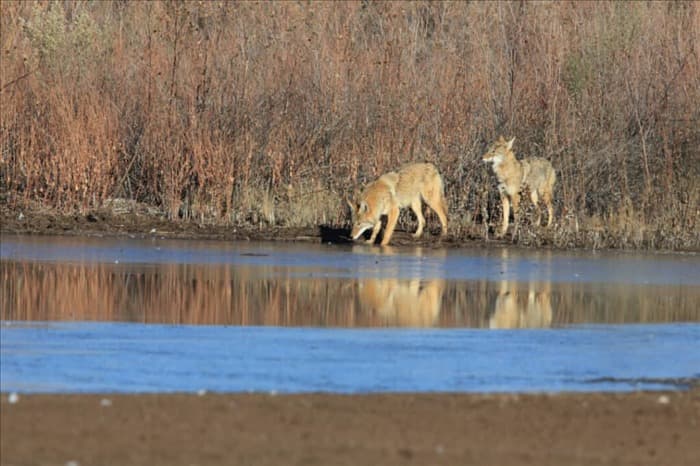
270, 113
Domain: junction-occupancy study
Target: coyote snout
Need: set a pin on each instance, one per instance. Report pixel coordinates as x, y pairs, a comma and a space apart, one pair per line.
396, 190
513, 175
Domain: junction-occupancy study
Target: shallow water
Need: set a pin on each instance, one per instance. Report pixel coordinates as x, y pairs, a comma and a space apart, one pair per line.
99, 357
87, 315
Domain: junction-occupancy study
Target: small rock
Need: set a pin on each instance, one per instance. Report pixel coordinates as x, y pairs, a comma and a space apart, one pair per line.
663, 399
105, 402
201, 392
13, 398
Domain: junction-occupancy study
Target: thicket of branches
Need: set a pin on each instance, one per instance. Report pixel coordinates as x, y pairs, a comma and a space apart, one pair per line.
272, 112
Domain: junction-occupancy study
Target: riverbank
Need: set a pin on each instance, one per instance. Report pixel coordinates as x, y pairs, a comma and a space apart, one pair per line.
215, 429
141, 221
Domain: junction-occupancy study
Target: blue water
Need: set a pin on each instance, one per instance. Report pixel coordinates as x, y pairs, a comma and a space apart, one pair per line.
105, 357
325, 261
61, 357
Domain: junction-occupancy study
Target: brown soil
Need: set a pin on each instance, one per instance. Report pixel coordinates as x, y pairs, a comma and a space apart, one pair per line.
565, 429
139, 222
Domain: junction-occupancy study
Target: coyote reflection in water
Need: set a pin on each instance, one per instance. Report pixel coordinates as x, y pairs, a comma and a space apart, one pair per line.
516, 308
402, 303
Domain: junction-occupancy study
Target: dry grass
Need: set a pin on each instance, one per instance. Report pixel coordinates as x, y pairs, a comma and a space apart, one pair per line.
272, 112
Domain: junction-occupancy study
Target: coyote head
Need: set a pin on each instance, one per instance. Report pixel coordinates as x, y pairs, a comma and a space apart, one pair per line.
498, 152
362, 218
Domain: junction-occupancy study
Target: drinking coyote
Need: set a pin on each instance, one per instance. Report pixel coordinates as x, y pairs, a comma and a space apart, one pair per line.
513, 175
396, 190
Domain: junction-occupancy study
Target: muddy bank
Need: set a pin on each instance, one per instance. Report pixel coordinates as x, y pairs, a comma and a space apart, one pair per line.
141, 221
573, 429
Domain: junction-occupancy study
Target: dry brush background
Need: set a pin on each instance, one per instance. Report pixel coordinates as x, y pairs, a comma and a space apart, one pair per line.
270, 113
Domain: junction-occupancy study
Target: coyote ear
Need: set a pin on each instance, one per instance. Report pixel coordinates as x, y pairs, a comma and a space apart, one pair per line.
510, 144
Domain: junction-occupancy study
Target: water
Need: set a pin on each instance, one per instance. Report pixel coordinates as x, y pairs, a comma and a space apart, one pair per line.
108, 357
117, 315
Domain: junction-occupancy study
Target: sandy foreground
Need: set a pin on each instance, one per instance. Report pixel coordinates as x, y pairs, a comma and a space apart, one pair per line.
318, 429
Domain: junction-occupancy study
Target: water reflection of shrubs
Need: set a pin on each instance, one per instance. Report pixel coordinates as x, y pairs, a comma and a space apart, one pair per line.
224, 295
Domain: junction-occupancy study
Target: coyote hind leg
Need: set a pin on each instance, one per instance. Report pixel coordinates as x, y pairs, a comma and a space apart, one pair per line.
547, 198
417, 208
538, 212
436, 201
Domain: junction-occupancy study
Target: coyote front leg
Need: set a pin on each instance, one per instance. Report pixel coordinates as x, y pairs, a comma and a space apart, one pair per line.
392, 218
515, 204
506, 210
375, 232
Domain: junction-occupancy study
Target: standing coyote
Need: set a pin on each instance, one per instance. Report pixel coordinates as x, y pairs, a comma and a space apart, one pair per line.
513, 175
396, 190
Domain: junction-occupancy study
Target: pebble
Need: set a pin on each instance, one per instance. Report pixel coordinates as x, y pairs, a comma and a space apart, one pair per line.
664, 400
13, 398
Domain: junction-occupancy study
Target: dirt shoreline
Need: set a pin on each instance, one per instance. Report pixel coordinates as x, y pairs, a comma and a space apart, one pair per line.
142, 223
320, 429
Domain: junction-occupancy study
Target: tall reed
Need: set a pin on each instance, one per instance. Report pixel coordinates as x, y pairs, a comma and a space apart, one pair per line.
270, 113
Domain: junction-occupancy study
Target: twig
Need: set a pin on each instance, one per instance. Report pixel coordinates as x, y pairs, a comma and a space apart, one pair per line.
16, 80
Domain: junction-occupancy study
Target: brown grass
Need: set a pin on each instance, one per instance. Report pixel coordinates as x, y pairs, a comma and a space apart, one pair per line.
271, 112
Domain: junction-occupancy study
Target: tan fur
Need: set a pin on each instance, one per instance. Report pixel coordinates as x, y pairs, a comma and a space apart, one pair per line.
402, 303
397, 190
535, 174
519, 309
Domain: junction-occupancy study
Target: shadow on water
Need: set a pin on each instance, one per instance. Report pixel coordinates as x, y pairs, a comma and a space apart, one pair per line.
334, 235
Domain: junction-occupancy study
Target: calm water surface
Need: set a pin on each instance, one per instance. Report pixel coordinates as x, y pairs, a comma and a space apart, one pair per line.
128, 315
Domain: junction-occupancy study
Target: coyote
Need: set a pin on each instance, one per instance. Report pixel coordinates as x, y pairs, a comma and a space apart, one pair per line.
396, 190
535, 173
